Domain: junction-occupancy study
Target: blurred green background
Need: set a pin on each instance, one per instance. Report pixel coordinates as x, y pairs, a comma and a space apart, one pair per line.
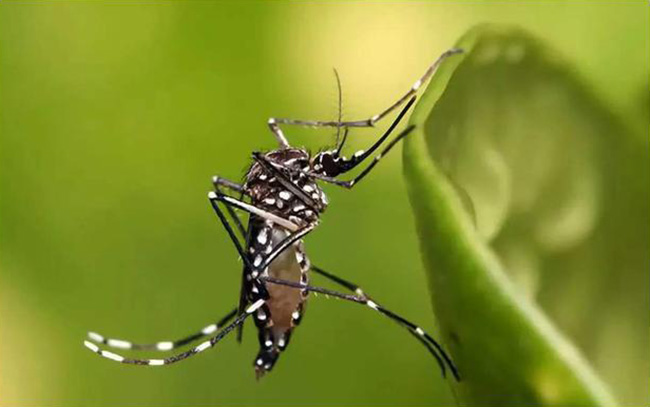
113, 118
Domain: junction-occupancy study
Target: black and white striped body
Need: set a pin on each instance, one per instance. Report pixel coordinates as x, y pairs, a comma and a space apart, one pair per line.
284, 306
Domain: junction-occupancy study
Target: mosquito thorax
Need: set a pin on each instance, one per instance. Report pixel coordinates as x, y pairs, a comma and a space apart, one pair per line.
272, 195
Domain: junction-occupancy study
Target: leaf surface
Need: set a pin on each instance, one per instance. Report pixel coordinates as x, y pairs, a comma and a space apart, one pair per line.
502, 170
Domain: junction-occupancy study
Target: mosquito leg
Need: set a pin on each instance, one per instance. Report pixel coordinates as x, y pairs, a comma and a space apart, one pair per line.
414, 329
370, 122
320, 290
219, 182
356, 289
226, 224
277, 132
349, 184
284, 244
259, 262
163, 345
181, 356
358, 158
251, 264
219, 197
340, 281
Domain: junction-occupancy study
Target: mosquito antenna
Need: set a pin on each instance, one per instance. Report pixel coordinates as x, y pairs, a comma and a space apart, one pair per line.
340, 116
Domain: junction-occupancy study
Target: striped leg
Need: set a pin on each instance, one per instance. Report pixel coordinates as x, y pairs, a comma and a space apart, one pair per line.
418, 332
163, 345
181, 356
220, 182
350, 183
356, 289
370, 122
283, 245
216, 197
340, 281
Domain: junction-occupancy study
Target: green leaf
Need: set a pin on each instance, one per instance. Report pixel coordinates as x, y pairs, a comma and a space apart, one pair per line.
503, 171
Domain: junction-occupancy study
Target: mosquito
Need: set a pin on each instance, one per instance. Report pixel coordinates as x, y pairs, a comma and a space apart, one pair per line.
283, 200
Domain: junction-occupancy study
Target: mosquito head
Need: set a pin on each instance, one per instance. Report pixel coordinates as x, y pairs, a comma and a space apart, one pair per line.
327, 163
331, 164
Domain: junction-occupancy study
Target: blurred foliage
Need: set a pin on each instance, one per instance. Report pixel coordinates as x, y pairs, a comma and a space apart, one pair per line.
113, 118
519, 155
